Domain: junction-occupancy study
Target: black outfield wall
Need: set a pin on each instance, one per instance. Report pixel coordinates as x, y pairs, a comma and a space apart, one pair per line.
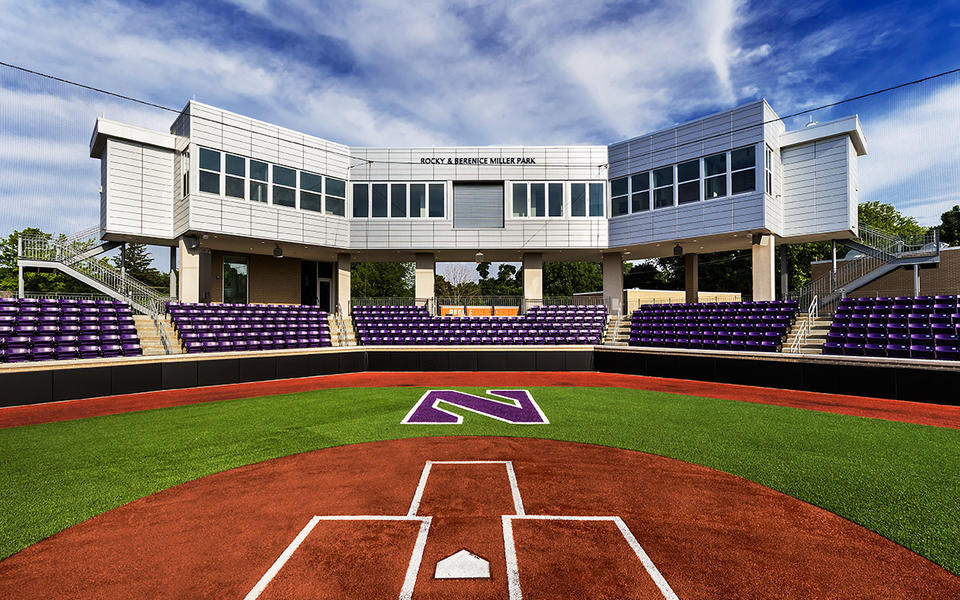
903, 380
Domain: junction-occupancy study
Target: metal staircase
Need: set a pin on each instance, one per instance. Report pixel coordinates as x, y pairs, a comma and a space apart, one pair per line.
881, 253
75, 255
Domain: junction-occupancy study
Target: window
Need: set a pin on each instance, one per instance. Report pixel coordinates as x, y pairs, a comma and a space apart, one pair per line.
578, 199
336, 197
538, 200
235, 279
379, 200
258, 180
555, 191
768, 167
619, 202
394, 200
209, 171
640, 189
284, 186
519, 199
398, 200
311, 190
418, 200
436, 200
743, 163
715, 171
663, 187
688, 182
361, 200
236, 167
596, 199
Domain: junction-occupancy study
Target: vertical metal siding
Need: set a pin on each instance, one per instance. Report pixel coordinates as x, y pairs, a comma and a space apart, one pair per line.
478, 206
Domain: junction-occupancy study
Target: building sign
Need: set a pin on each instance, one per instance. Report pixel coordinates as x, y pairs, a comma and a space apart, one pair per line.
481, 160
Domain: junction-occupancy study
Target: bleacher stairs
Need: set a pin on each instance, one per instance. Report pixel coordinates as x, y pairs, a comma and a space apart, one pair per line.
617, 331
149, 338
342, 332
813, 344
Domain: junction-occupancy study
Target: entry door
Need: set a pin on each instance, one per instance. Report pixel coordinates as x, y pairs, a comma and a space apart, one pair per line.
308, 282
325, 294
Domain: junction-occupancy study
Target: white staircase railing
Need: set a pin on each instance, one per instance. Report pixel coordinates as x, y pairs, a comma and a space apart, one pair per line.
68, 255
883, 251
806, 327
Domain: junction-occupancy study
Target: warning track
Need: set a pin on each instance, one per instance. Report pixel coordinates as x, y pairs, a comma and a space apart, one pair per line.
709, 534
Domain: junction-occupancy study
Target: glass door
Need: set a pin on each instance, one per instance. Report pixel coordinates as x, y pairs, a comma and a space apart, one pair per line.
235, 280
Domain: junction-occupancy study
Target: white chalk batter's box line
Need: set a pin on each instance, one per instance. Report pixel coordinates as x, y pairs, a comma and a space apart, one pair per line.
510, 552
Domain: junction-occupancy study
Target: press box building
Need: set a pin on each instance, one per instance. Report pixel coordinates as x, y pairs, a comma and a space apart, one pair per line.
230, 194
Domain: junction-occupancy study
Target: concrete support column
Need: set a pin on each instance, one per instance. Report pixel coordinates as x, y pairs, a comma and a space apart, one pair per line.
173, 272
613, 282
425, 280
764, 274
343, 284
532, 280
691, 266
195, 275
916, 280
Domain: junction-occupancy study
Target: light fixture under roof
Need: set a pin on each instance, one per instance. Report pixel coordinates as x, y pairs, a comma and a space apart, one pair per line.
278, 252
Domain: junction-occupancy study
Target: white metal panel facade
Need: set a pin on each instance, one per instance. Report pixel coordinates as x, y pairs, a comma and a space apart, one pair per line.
806, 187
138, 195
817, 187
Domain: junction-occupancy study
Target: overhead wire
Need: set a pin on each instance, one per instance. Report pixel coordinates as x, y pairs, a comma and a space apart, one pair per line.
608, 164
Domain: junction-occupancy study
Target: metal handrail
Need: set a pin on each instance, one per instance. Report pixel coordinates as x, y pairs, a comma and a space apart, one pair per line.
42, 249
338, 317
161, 332
800, 337
806, 326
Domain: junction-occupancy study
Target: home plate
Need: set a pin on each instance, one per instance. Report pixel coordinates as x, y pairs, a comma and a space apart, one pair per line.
462, 565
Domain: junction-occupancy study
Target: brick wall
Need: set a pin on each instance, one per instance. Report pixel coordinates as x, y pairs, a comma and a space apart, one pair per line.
271, 280
942, 279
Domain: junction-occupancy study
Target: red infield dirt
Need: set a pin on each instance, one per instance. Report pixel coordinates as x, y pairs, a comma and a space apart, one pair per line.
891, 410
696, 532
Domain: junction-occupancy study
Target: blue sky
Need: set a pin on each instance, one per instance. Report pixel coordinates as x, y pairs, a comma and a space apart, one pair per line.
433, 73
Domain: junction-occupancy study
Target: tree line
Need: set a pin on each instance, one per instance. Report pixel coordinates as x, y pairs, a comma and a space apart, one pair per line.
720, 271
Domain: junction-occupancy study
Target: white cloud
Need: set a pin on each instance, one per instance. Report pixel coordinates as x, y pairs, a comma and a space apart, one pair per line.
914, 154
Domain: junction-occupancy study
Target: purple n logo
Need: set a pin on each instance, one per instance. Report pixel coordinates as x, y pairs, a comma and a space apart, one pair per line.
520, 410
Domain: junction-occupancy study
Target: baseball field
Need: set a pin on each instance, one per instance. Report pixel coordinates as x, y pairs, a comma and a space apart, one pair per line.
532, 485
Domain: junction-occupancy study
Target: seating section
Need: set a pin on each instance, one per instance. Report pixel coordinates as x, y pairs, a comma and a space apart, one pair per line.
34, 330
242, 327
901, 327
410, 325
754, 326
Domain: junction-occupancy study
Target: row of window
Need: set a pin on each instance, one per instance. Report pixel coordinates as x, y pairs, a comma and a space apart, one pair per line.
715, 176
546, 199
257, 181
399, 200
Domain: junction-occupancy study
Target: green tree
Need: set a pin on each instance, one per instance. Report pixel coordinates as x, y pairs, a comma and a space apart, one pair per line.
509, 280
886, 217
382, 280
138, 263
34, 281
950, 226
568, 278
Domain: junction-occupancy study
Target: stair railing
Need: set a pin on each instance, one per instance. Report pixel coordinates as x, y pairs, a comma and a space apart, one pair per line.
806, 326
137, 293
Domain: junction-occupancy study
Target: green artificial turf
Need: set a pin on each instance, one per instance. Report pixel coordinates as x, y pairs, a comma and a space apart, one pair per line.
897, 479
